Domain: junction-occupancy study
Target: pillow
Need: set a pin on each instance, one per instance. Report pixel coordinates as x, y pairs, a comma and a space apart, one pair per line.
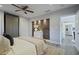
4, 45
10, 38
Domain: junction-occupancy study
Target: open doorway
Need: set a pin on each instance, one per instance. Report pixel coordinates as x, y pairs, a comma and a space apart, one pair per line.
67, 30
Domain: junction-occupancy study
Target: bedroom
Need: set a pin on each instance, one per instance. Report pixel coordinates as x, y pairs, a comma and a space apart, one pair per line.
38, 31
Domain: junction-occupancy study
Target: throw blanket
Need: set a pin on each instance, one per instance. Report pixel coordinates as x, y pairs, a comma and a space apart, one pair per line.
39, 44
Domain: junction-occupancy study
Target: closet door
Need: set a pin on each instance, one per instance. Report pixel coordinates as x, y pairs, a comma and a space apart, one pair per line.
11, 25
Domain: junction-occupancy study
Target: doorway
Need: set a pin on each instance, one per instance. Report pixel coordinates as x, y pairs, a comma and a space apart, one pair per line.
11, 24
67, 27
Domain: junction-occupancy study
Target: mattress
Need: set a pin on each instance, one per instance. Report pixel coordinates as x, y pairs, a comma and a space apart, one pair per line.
22, 47
39, 44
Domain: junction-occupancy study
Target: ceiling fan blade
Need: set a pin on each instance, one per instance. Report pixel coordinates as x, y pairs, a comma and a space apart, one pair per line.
30, 11
16, 6
25, 7
25, 12
17, 10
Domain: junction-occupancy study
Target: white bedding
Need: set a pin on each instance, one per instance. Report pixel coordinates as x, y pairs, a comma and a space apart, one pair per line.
39, 44
22, 47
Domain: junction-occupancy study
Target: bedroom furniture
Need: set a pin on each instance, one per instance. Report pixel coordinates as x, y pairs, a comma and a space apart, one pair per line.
40, 45
22, 46
28, 46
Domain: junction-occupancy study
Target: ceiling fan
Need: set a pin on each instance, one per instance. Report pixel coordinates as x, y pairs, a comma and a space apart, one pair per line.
23, 8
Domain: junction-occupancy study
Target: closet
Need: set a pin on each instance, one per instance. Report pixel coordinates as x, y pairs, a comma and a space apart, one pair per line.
11, 24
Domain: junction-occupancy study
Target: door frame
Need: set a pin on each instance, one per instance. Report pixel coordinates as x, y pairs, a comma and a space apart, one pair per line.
5, 13
61, 24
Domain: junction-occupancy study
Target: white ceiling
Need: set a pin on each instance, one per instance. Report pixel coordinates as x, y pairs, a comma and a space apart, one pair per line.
39, 9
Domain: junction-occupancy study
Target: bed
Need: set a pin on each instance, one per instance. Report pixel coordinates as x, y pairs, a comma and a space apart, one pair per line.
22, 46
39, 44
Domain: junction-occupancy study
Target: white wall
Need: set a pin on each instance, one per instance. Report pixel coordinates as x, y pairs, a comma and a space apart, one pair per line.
23, 26
54, 22
30, 28
1, 22
55, 29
